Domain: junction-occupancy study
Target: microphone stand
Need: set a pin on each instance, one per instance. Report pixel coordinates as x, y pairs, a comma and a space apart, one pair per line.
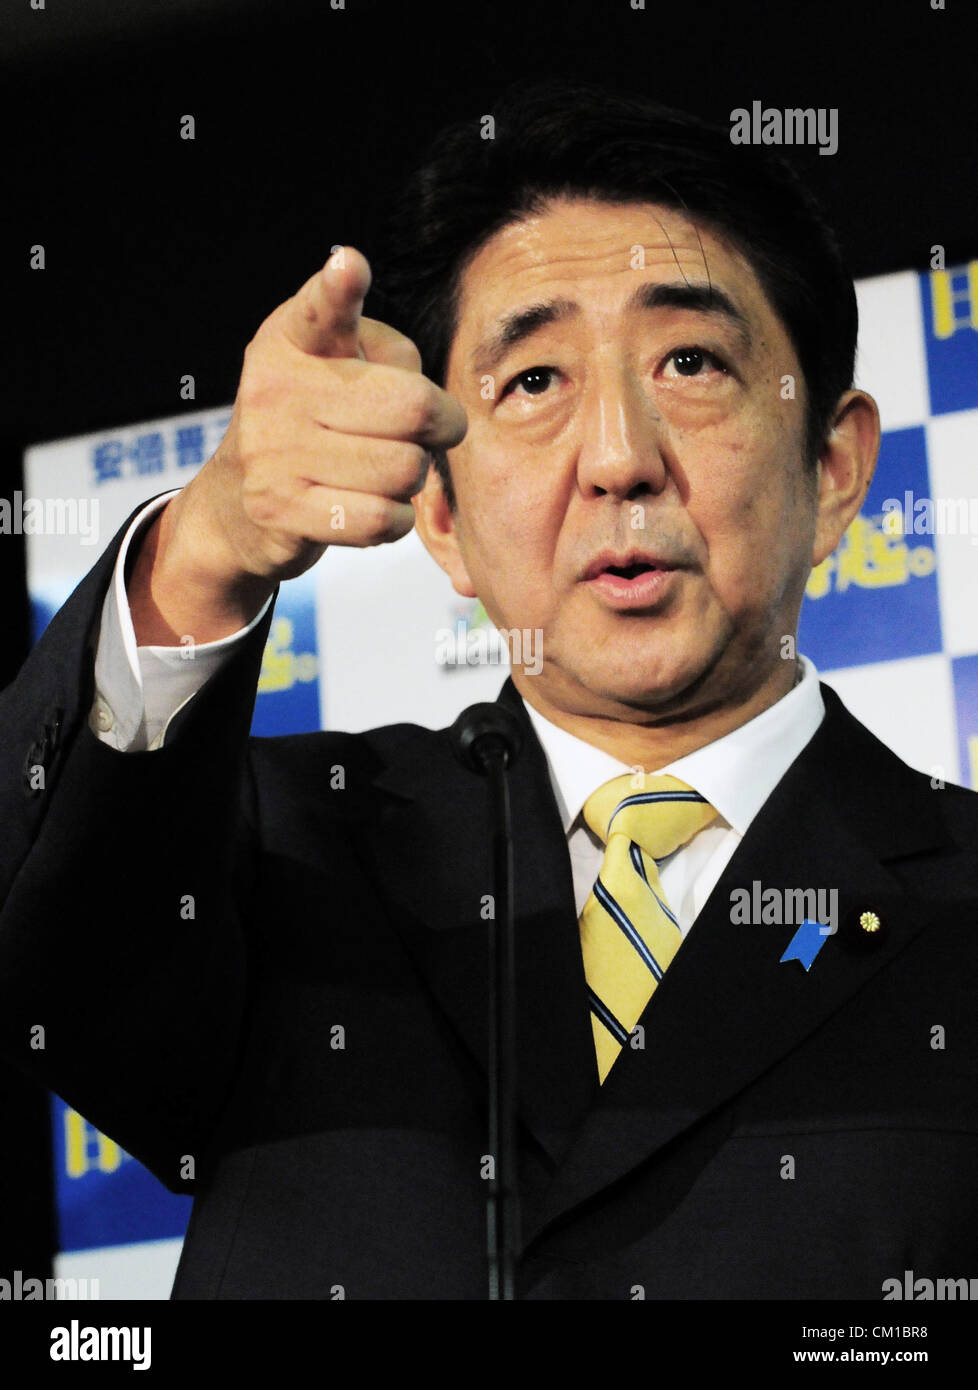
487, 739
503, 1203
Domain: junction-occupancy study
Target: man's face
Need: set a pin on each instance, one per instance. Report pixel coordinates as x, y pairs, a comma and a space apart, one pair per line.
627, 421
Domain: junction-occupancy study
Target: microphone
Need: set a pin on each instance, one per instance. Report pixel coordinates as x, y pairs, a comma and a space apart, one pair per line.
484, 734
487, 739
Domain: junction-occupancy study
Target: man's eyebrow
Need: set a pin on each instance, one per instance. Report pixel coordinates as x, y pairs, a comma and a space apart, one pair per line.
521, 324
697, 296
513, 328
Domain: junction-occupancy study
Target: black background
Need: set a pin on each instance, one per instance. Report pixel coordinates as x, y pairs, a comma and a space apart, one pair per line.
164, 255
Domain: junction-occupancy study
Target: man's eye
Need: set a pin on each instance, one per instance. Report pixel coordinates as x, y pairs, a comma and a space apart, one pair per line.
535, 380
690, 361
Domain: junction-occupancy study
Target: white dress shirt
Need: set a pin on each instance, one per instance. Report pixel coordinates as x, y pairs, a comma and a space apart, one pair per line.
736, 774
138, 690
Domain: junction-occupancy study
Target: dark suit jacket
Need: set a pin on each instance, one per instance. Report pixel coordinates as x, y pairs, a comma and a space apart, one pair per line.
314, 1039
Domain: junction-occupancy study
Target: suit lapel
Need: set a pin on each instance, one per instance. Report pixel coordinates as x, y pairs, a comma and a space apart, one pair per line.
844, 816
431, 851
727, 1009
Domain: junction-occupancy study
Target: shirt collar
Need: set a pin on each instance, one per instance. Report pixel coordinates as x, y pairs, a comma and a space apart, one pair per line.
736, 773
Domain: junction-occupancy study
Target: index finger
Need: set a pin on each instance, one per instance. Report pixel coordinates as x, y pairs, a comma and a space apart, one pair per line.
323, 318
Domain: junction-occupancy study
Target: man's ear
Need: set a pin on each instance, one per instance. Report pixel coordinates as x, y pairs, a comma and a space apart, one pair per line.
437, 525
845, 469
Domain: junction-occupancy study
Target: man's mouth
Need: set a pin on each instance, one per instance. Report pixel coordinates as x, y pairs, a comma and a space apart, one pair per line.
629, 571
633, 580
628, 566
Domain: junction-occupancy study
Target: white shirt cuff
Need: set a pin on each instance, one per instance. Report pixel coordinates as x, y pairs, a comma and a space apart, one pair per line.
138, 690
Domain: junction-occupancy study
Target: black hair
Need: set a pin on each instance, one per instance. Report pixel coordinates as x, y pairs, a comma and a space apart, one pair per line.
557, 139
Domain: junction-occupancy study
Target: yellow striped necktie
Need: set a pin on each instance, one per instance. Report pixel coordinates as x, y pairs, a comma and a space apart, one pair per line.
629, 933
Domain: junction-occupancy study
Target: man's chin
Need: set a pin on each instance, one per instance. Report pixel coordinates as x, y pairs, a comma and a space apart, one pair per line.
664, 689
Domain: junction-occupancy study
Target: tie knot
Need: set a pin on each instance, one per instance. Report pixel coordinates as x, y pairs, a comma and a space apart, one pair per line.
659, 813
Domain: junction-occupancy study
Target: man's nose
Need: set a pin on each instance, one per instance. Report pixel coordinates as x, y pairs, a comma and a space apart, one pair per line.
621, 438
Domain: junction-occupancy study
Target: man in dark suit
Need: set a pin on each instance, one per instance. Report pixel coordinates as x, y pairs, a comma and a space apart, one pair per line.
261, 965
